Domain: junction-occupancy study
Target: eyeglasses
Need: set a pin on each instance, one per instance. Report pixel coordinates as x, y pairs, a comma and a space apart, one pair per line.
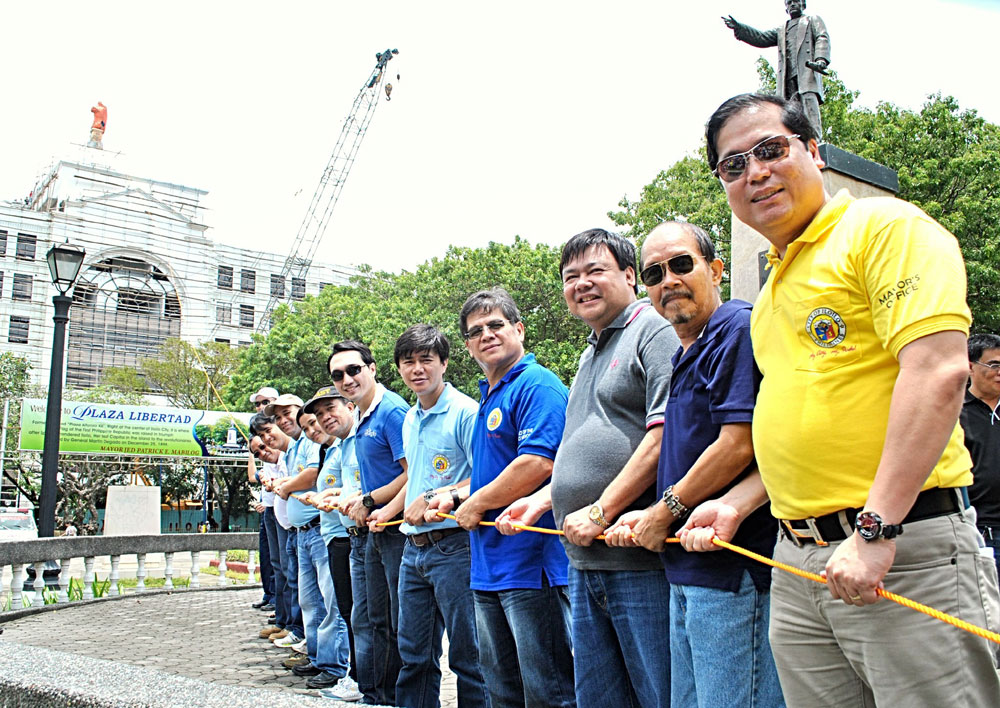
678, 265
351, 370
771, 149
477, 332
263, 402
259, 451
992, 367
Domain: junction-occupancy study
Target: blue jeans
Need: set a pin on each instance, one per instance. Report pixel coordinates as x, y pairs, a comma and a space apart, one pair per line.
264, 556
281, 608
434, 595
292, 583
524, 647
382, 559
720, 654
326, 631
621, 638
360, 625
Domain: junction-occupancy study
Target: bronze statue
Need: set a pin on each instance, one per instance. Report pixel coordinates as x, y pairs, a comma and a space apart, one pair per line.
100, 112
803, 55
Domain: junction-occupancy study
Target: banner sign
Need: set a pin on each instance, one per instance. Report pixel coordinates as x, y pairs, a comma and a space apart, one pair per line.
137, 430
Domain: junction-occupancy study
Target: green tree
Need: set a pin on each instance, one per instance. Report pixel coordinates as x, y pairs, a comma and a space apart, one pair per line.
15, 376
179, 373
377, 306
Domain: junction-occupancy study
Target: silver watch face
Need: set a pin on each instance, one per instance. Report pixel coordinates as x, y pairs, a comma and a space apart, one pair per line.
869, 525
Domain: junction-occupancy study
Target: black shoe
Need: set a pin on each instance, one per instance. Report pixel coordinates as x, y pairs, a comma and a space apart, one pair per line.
266, 608
324, 679
271, 617
258, 605
306, 670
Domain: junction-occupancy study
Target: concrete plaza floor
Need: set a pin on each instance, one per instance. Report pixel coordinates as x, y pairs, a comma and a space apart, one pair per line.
210, 636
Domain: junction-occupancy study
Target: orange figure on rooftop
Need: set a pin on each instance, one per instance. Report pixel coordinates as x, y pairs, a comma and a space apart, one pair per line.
100, 112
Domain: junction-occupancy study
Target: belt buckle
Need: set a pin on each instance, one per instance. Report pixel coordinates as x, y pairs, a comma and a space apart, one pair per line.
796, 535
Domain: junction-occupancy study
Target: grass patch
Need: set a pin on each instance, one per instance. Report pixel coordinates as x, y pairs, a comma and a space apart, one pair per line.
231, 574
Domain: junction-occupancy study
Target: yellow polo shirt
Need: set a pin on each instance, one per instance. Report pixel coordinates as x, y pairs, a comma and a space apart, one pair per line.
866, 278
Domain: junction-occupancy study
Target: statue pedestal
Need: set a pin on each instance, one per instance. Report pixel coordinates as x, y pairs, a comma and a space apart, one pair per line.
844, 170
132, 511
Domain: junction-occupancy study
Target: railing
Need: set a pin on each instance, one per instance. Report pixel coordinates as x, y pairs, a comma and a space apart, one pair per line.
21, 554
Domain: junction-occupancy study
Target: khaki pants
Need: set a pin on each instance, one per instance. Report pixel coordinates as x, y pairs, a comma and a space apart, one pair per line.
832, 654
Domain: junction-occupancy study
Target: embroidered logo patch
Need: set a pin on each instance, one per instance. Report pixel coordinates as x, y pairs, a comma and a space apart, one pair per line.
494, 419
826, 327
330, 480
440, 463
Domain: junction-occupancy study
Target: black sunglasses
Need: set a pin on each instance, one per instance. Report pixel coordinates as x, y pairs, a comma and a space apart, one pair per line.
477, 332
655, 273
351, 370
772, 149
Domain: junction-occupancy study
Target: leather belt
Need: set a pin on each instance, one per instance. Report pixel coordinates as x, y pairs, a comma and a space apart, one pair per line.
357, 531
312, 524
427, 538
824, 530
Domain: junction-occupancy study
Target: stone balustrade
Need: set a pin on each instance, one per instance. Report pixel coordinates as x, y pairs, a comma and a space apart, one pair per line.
21, 554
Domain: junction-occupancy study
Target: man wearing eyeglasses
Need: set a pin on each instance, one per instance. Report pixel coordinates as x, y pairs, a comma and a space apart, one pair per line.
519, 582
382, 461
981, 423
860, 334
606, 466
716, 600
263, 397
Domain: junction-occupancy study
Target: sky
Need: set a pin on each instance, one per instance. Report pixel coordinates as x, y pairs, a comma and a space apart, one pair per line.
516, 118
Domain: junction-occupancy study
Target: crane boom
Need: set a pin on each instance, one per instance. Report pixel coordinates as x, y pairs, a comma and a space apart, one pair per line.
331, 184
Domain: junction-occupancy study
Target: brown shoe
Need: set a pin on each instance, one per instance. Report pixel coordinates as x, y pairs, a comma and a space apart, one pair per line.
268, 631
280, 634
296, 660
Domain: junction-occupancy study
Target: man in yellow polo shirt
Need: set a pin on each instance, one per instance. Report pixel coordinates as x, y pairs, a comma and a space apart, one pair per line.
860, 334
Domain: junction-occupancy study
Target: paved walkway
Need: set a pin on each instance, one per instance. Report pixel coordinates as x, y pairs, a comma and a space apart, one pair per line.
209, 635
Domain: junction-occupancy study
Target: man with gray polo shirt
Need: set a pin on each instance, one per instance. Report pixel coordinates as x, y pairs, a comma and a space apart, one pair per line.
605, 466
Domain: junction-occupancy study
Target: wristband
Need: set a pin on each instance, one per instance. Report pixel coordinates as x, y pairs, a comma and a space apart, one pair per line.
455, 499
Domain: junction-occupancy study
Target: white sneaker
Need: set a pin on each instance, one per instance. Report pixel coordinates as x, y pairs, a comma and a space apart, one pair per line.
300, 647
345, 690
288, 641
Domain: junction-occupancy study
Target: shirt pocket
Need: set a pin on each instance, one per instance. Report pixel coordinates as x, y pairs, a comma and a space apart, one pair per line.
443, 464
828, 337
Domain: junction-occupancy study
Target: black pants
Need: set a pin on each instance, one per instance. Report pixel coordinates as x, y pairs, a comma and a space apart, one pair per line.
340, 568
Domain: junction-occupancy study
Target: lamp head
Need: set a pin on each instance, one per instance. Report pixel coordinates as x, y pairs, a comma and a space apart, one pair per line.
64, 265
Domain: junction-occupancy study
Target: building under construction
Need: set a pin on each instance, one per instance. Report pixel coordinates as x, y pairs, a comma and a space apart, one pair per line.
151, 270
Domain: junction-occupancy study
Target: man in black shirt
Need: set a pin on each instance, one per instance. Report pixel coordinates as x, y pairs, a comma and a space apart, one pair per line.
981, 422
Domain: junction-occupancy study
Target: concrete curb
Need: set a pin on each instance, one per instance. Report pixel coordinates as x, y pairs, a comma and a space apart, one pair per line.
43, 678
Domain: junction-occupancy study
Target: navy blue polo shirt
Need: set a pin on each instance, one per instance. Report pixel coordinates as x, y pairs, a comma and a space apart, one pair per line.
715, 383
379, 444
524, 414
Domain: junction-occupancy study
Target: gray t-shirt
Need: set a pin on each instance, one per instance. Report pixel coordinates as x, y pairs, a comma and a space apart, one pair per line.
620, 392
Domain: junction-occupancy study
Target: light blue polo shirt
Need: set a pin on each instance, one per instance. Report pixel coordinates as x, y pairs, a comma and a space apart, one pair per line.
379, 443
350, 475
525, 413
438, 445
330, 476
302, 454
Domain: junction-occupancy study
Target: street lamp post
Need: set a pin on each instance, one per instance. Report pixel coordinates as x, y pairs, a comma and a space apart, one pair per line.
64, 265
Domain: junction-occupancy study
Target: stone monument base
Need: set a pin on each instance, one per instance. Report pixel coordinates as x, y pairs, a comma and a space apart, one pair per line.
132, 511
844, 170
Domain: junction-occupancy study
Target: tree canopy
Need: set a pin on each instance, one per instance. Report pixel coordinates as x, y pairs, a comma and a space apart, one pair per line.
378, 306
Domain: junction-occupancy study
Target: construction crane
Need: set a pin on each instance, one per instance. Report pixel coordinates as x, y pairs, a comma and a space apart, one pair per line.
331, 184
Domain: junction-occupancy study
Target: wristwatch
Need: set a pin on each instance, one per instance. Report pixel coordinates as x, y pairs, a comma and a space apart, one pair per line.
870, 527
368, 501
455, 498
429, 494
674, 504
596, 515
